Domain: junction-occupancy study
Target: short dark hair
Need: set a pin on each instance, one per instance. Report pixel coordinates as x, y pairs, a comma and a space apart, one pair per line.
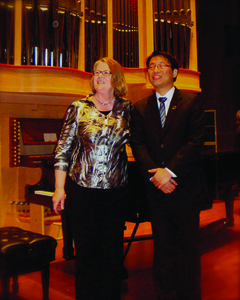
172, 60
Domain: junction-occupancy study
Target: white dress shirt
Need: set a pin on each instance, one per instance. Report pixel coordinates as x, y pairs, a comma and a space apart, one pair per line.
169, 96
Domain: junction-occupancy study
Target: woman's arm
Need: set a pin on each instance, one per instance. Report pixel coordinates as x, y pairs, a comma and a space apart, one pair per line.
59, 194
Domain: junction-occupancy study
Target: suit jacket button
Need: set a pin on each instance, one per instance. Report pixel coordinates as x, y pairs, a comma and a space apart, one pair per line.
162, 146
163, 163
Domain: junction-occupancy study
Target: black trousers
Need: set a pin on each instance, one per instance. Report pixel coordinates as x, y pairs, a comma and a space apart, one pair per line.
177, 260
97, 220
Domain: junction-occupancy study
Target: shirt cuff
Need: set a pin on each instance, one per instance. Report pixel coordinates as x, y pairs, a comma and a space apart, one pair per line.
173, 175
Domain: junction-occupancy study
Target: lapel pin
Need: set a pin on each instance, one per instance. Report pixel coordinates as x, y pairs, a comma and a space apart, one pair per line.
174, 107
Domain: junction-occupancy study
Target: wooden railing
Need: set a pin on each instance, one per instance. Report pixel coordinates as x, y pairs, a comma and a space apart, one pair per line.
66, 81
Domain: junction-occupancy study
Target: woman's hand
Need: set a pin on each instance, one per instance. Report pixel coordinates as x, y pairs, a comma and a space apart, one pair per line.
59, 194
58, 200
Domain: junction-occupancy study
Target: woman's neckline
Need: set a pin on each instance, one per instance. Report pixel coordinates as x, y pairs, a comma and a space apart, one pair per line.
98, 105
105, 112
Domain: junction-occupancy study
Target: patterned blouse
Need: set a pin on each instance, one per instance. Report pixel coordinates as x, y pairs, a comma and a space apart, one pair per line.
91, 147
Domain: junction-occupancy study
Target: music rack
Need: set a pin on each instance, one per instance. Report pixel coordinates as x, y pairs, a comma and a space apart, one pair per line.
32, 140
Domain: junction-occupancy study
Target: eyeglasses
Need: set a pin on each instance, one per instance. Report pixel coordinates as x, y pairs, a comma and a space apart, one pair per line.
103, 72
158, 66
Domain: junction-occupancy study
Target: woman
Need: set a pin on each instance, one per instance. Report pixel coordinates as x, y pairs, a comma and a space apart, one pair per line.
91, 156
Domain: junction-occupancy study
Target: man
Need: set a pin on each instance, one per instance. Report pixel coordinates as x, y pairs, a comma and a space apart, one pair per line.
167, 137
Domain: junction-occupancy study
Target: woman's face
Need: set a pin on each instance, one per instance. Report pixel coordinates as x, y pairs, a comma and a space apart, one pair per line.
102, 82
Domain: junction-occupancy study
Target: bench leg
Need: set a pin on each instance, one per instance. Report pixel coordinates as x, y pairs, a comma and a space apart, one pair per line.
45, 281
130, 240
5, 284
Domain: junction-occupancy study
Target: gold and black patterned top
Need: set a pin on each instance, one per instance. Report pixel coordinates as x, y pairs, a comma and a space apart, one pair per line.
91, 146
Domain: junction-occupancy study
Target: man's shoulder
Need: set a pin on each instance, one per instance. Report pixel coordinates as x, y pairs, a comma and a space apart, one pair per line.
186, 94
144, 101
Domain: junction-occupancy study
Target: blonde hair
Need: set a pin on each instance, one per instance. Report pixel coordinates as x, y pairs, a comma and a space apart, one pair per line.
118, 80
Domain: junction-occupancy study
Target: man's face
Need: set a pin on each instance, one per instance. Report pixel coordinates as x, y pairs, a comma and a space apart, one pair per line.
160, 73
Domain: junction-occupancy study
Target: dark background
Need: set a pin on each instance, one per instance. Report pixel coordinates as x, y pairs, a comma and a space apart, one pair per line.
218, 40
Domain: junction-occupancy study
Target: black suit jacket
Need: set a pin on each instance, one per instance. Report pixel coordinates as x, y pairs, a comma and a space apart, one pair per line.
177, 146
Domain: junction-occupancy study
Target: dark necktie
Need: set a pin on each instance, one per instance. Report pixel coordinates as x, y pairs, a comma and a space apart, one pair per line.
162, 110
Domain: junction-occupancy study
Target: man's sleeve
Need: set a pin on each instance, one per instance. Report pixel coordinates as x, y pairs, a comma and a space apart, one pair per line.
138, 144
189, 153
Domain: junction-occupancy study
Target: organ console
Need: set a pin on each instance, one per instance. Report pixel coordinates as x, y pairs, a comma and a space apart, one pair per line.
32, 143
